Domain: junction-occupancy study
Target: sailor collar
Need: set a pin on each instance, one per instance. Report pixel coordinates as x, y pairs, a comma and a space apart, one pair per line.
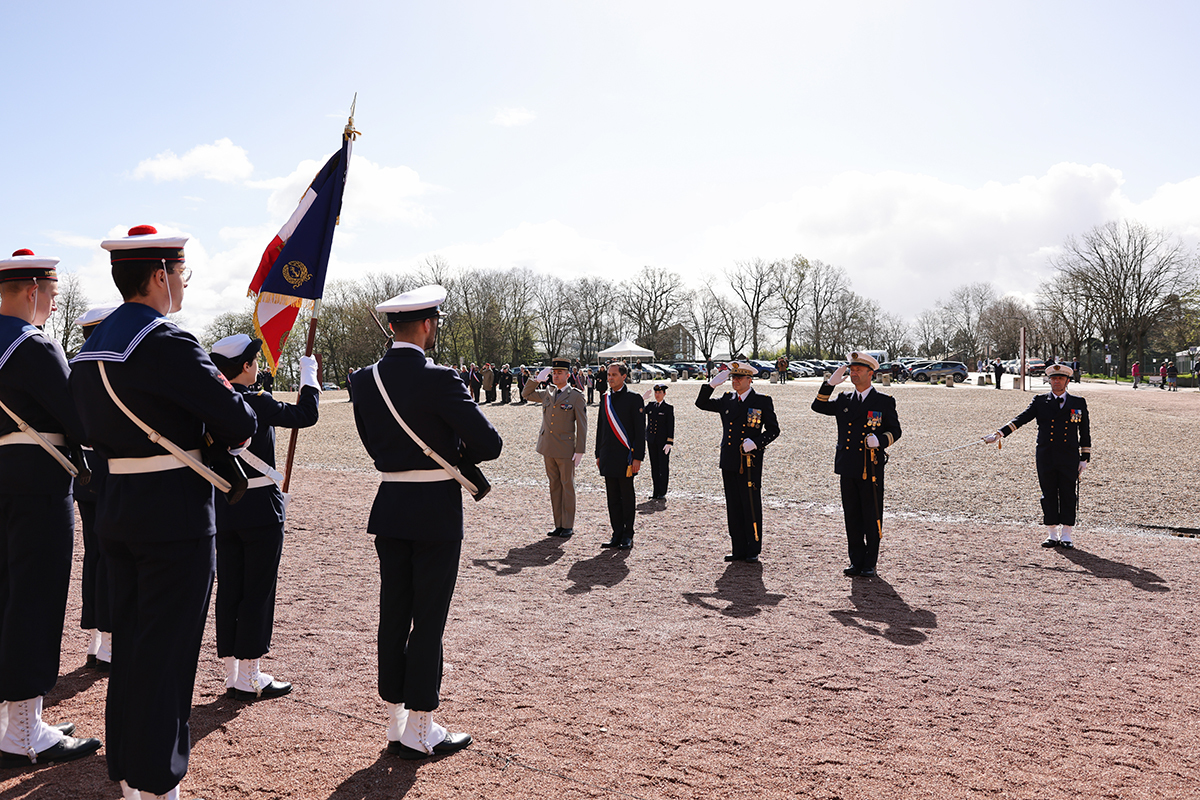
117, 337
13, 331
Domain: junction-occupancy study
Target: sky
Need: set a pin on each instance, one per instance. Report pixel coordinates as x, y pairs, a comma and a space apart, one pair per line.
918, 145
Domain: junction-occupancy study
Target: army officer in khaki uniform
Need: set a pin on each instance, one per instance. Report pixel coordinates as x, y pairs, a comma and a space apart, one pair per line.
562, 439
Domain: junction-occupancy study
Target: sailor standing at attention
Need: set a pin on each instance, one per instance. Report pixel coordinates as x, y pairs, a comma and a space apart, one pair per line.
140, 371
37, 521
417, 516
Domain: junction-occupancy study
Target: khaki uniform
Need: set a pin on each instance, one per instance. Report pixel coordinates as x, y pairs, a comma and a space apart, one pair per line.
563, 434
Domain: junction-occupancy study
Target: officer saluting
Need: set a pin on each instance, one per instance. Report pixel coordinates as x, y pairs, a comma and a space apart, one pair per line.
748, 425
867, 424
1064, 448
250, 532
562, 439
417, 516
37, 523
660, 438
155, 518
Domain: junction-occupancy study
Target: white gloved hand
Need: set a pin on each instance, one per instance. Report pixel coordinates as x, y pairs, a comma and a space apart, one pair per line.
838, 375
308, 372
666, 449
992, 437
721, 376
1082, 466
578, 457
646, 395
872, 441
238, 449
544, 375
748, 445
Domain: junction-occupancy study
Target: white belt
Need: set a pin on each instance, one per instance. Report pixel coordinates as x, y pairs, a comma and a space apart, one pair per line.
417, 476
259, 482
136, 466
56, 439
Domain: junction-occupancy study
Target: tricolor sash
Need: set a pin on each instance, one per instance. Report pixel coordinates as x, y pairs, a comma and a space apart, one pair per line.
617, 428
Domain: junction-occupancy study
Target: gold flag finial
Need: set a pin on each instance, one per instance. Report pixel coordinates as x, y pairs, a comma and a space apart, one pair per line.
349, 132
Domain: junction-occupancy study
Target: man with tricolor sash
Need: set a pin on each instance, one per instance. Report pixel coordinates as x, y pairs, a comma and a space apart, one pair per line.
620, 450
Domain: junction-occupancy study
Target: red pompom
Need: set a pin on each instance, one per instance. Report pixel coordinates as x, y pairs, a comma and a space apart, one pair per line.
142, 230
25, 251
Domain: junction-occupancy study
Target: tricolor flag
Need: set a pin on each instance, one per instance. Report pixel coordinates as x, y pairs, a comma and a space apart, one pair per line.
291, 274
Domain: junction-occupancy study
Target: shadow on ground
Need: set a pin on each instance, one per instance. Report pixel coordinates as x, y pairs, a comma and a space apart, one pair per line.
740, 592
879, 610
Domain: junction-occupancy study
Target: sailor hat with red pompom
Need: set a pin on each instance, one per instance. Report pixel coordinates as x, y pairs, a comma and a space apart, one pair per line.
145, 243
24, 265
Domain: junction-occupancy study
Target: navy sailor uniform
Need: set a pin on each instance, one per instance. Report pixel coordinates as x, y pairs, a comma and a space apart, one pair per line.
861, 477
1064, 439
157, 528
417, 524
741, 473
660, 431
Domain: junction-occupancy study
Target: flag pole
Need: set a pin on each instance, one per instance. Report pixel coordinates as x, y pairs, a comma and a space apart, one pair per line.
349, 133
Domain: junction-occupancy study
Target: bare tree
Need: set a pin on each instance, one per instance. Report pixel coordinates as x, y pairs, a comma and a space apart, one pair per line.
823, 287
733, 328
69, 305
590, 302
1000, 326
894, 335
704, 320
962, 312
650, 303
753, 283
553, 313
788, 306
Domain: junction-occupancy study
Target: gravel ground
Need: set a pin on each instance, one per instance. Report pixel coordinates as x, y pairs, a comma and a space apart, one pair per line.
978, 664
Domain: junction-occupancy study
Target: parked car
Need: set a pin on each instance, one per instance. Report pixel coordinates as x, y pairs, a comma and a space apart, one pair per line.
940, 369
687, 370
799, 369
328, 387
886, 367
669, 371
765, 368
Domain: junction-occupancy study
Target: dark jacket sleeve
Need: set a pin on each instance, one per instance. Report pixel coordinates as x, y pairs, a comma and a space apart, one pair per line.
705, 401
891, 425
769, 431
638, 434
480, 441
303, 414
1085, 434
669, 424
1028, 415
823, 404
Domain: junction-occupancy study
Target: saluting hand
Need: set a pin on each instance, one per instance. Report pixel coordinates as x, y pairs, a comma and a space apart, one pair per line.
544, 375
838, 375
719, 378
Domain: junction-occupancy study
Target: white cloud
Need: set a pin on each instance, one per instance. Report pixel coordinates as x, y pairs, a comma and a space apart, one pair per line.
550, 247
512, 117
222, 161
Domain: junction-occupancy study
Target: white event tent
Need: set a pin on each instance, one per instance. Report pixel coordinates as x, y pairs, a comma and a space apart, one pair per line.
626, 349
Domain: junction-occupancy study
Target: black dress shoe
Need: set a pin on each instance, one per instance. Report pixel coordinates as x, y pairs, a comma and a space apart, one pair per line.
451, 744
869, 572
611, 543
65, 728
852, 570
272, 690
1051, 543
555, 532
566, 533
751, 559
103, 666
1067, 545
91, 660
68, 749
732, 558
626, 543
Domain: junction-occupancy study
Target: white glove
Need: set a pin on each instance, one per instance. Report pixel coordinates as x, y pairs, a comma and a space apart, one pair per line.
666, 449
719, 378
872, 441
748, 445
646, 395
544, 375
1082, 466
308, 372
838, 375
577, 458
992, 437
238, 449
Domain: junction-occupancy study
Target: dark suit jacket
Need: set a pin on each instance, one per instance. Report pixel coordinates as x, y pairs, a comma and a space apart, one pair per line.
613, 455
1064, 434
876, 414
434, 402
752, 419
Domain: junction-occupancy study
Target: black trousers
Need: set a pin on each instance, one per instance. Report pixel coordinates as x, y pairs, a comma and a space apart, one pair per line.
416, 584
505, 395
160, 594
37, 536
475, 393
660, 468
743, 509
96, 613
862, 506
1060, 497
247, 572
622, 505
489, 395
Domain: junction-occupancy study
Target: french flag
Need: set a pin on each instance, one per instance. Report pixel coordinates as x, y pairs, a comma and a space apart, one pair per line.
291, 273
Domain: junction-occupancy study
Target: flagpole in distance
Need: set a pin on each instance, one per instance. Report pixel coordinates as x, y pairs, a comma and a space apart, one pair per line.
349, 134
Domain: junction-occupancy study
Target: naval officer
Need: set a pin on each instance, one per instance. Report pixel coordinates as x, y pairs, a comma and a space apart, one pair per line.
748, 424
250, 532
417, 516
37, 522
1064, 448
660, 438
562, 440
867, 425
155, 517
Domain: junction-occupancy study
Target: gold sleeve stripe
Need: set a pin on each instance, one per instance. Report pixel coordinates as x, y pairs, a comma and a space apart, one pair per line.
1085, 449
824, 397
890, 439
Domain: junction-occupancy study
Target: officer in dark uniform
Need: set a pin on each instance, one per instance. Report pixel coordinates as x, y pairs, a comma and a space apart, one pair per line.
1064, 448
505, 381
37, 522
250, 532
867, 425
660, 438
749, 424
620, 450
96, 616
155, 518
417, 516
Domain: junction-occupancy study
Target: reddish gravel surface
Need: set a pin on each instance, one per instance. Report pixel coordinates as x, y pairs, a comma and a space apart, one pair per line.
978, 665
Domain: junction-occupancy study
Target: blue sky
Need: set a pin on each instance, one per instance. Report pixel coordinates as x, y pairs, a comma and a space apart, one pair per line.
919, 145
